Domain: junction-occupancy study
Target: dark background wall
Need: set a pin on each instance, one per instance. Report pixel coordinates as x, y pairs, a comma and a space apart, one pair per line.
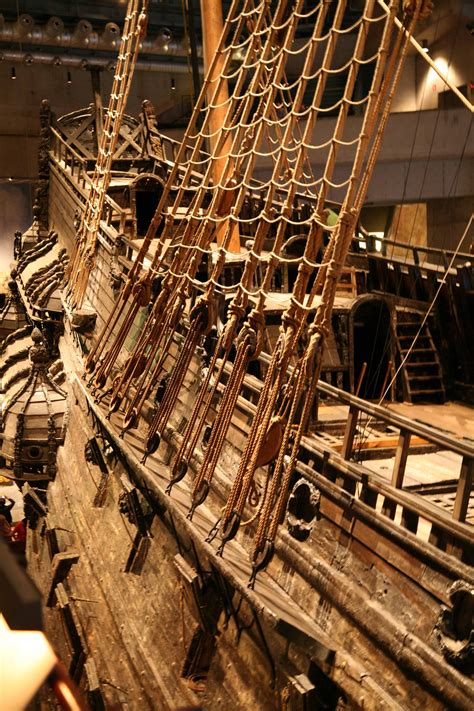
15, 214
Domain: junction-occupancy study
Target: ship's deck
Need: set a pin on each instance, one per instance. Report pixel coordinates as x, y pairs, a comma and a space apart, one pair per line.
454, 418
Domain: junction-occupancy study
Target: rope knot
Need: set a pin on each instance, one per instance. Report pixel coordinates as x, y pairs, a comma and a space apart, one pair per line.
289, 320
317, 334
273, 261
333, 269
288, 330
248, 333
142, 290
348, 217
318, 329
424, 8
142, 24
235, 310
89, 261
305, 268
256, 321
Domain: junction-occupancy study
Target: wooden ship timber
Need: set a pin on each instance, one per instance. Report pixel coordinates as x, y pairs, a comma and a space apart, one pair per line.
206, 536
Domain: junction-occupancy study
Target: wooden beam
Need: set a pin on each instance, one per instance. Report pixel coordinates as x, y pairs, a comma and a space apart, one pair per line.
60, 567
401, 456
381, 443
212, 23
428, 59
464, 489
348, 443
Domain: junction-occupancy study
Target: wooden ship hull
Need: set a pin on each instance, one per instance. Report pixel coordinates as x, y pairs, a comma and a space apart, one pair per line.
366, 600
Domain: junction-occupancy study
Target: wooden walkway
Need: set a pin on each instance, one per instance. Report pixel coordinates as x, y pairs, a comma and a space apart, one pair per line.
452, 417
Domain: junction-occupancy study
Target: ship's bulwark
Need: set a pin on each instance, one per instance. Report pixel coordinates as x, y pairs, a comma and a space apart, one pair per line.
150, 607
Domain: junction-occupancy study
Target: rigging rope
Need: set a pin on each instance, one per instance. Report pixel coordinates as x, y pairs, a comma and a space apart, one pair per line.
265, 116
134, 29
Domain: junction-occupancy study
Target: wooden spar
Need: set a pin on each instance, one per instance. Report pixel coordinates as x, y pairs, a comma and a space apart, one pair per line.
212, 26
432, 64
361, 378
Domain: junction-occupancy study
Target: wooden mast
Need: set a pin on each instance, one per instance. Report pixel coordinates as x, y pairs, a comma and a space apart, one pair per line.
212, 26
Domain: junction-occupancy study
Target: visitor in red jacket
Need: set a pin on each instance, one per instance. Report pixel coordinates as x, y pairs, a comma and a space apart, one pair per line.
19, 531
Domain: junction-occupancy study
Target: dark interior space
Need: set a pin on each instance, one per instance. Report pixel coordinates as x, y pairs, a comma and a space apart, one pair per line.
371, 341
146, 204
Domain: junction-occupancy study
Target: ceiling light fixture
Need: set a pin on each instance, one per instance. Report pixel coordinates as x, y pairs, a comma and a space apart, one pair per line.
173, 84
424, 46
13, 73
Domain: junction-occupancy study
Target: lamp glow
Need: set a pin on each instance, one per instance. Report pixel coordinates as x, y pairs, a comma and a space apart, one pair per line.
26, 659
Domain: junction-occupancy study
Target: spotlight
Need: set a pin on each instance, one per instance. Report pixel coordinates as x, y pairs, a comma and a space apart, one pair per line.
424, 46
69, 80
173, 85
164, 36
13, 73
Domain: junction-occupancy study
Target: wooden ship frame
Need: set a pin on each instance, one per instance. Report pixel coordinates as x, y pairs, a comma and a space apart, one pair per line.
210, 534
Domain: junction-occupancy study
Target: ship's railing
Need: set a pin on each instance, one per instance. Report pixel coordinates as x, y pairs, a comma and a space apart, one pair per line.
116, 216
68, 157
434, 256
171, 147
345, 480
407, 429
129, 253
116, 220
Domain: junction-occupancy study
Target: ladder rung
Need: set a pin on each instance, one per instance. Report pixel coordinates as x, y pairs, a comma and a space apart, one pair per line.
413, 378
422, 363
416, 350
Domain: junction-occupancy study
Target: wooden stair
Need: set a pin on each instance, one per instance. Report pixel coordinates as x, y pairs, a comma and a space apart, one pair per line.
347, 283
421, 372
